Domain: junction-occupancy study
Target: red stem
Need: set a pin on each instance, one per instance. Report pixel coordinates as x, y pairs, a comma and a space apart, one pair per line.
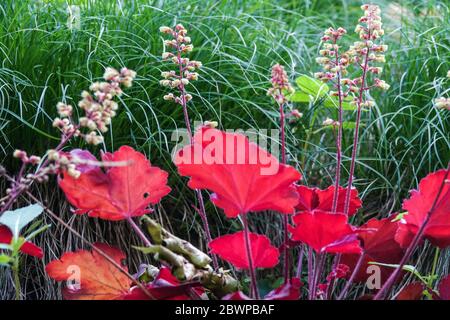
300, 262
187, 121
338, 141
285, 217
412, 246
310, 270
17, 190
254, 285
356, 136
139, 232
358, 266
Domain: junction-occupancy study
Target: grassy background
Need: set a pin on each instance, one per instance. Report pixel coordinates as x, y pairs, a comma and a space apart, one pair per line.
43, 61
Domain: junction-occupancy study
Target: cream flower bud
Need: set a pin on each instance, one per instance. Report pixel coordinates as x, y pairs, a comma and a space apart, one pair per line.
330, 122
168, 97
165, 29
19, 154
165, 83
166, 55
442, 103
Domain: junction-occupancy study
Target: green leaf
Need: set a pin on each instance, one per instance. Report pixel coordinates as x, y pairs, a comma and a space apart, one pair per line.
312, 86
333, 102
4, 260
19, 218
299, 96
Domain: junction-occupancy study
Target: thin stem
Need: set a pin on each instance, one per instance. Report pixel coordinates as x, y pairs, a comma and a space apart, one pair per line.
339, 139
433, 269
248, 249
285, 217
310, 271
139, 232
187, 121
300, 262
356, 135
16, 275
18, 188
317, 272
358, 266
412, 246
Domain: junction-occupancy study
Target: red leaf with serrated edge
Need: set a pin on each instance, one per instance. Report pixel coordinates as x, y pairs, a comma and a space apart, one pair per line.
120, 192
378, 243
325, 232
28, 247
437, 230
444, 288
243, 176
316, 199
98, 279
413, 291
231, 247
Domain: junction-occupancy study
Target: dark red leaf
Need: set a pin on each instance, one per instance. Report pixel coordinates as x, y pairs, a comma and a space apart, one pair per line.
413, 291
243, 176
123, 191
379, 245
316, 199
437, 230
444, 288
325, 232
231, 248
287, 291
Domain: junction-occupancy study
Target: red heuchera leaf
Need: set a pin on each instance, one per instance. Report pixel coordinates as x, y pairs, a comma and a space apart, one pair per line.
99, 279
437, 230
120, 192
243, 176
316, 199
325, 232
27, 248
378, 243
444, 288
231, 248
413, 291
287, 291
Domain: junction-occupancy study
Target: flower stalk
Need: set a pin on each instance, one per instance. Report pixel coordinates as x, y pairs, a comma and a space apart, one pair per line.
281, 87
248, 248
180, 43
